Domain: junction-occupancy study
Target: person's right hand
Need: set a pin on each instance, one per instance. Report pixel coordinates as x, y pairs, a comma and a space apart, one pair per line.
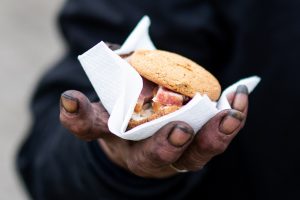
174, 145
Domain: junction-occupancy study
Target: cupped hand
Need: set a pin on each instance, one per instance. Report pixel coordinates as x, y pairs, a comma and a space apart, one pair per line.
172, 149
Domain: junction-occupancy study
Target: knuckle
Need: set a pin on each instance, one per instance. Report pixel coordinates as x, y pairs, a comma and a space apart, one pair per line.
218, 149
160, 155
213, 147
193, 161
149, 160
80, 128
156, 157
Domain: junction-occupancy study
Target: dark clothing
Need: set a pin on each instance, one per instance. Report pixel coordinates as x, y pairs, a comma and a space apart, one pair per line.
231, 38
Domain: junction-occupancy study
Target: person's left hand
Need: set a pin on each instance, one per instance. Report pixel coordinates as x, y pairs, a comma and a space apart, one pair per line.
172, 149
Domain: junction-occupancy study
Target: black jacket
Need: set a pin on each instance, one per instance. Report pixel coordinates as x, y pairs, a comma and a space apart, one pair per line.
233, 39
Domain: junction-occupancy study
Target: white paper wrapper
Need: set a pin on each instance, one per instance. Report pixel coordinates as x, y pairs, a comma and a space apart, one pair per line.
118, 86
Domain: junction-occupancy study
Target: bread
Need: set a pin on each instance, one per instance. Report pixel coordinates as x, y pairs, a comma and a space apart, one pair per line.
164, 111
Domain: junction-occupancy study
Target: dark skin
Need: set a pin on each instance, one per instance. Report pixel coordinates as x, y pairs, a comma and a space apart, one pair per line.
175, 143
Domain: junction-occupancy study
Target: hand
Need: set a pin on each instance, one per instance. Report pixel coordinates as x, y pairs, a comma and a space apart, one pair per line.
174, 145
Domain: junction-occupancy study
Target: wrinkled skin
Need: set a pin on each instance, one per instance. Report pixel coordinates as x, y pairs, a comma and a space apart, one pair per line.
175, 143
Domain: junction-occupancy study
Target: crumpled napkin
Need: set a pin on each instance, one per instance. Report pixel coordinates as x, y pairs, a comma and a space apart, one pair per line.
118, 86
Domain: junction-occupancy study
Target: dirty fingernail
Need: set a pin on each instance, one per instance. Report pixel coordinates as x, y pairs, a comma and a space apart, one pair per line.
180, 135
231, 122
241, 98
242, 89
69, 103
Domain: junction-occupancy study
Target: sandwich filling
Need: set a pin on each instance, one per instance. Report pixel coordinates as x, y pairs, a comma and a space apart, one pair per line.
184, 78
154, 99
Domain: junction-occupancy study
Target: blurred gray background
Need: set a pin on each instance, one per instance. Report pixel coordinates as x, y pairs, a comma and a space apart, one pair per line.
29, 44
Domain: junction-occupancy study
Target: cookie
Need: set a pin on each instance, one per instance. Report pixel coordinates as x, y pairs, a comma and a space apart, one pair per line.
175, 72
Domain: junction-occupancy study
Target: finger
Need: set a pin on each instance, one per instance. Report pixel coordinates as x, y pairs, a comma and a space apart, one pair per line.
213, 139
84, 119
240, 100
153, 156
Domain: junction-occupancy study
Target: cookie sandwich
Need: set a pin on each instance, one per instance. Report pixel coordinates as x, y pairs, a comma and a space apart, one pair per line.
169, 82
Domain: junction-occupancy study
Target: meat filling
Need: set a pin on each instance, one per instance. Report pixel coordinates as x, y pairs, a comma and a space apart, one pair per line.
154, 98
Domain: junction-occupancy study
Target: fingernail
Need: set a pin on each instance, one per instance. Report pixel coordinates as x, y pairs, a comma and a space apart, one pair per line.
69, 103
240, 100
242, 89
180, 135
231, 122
